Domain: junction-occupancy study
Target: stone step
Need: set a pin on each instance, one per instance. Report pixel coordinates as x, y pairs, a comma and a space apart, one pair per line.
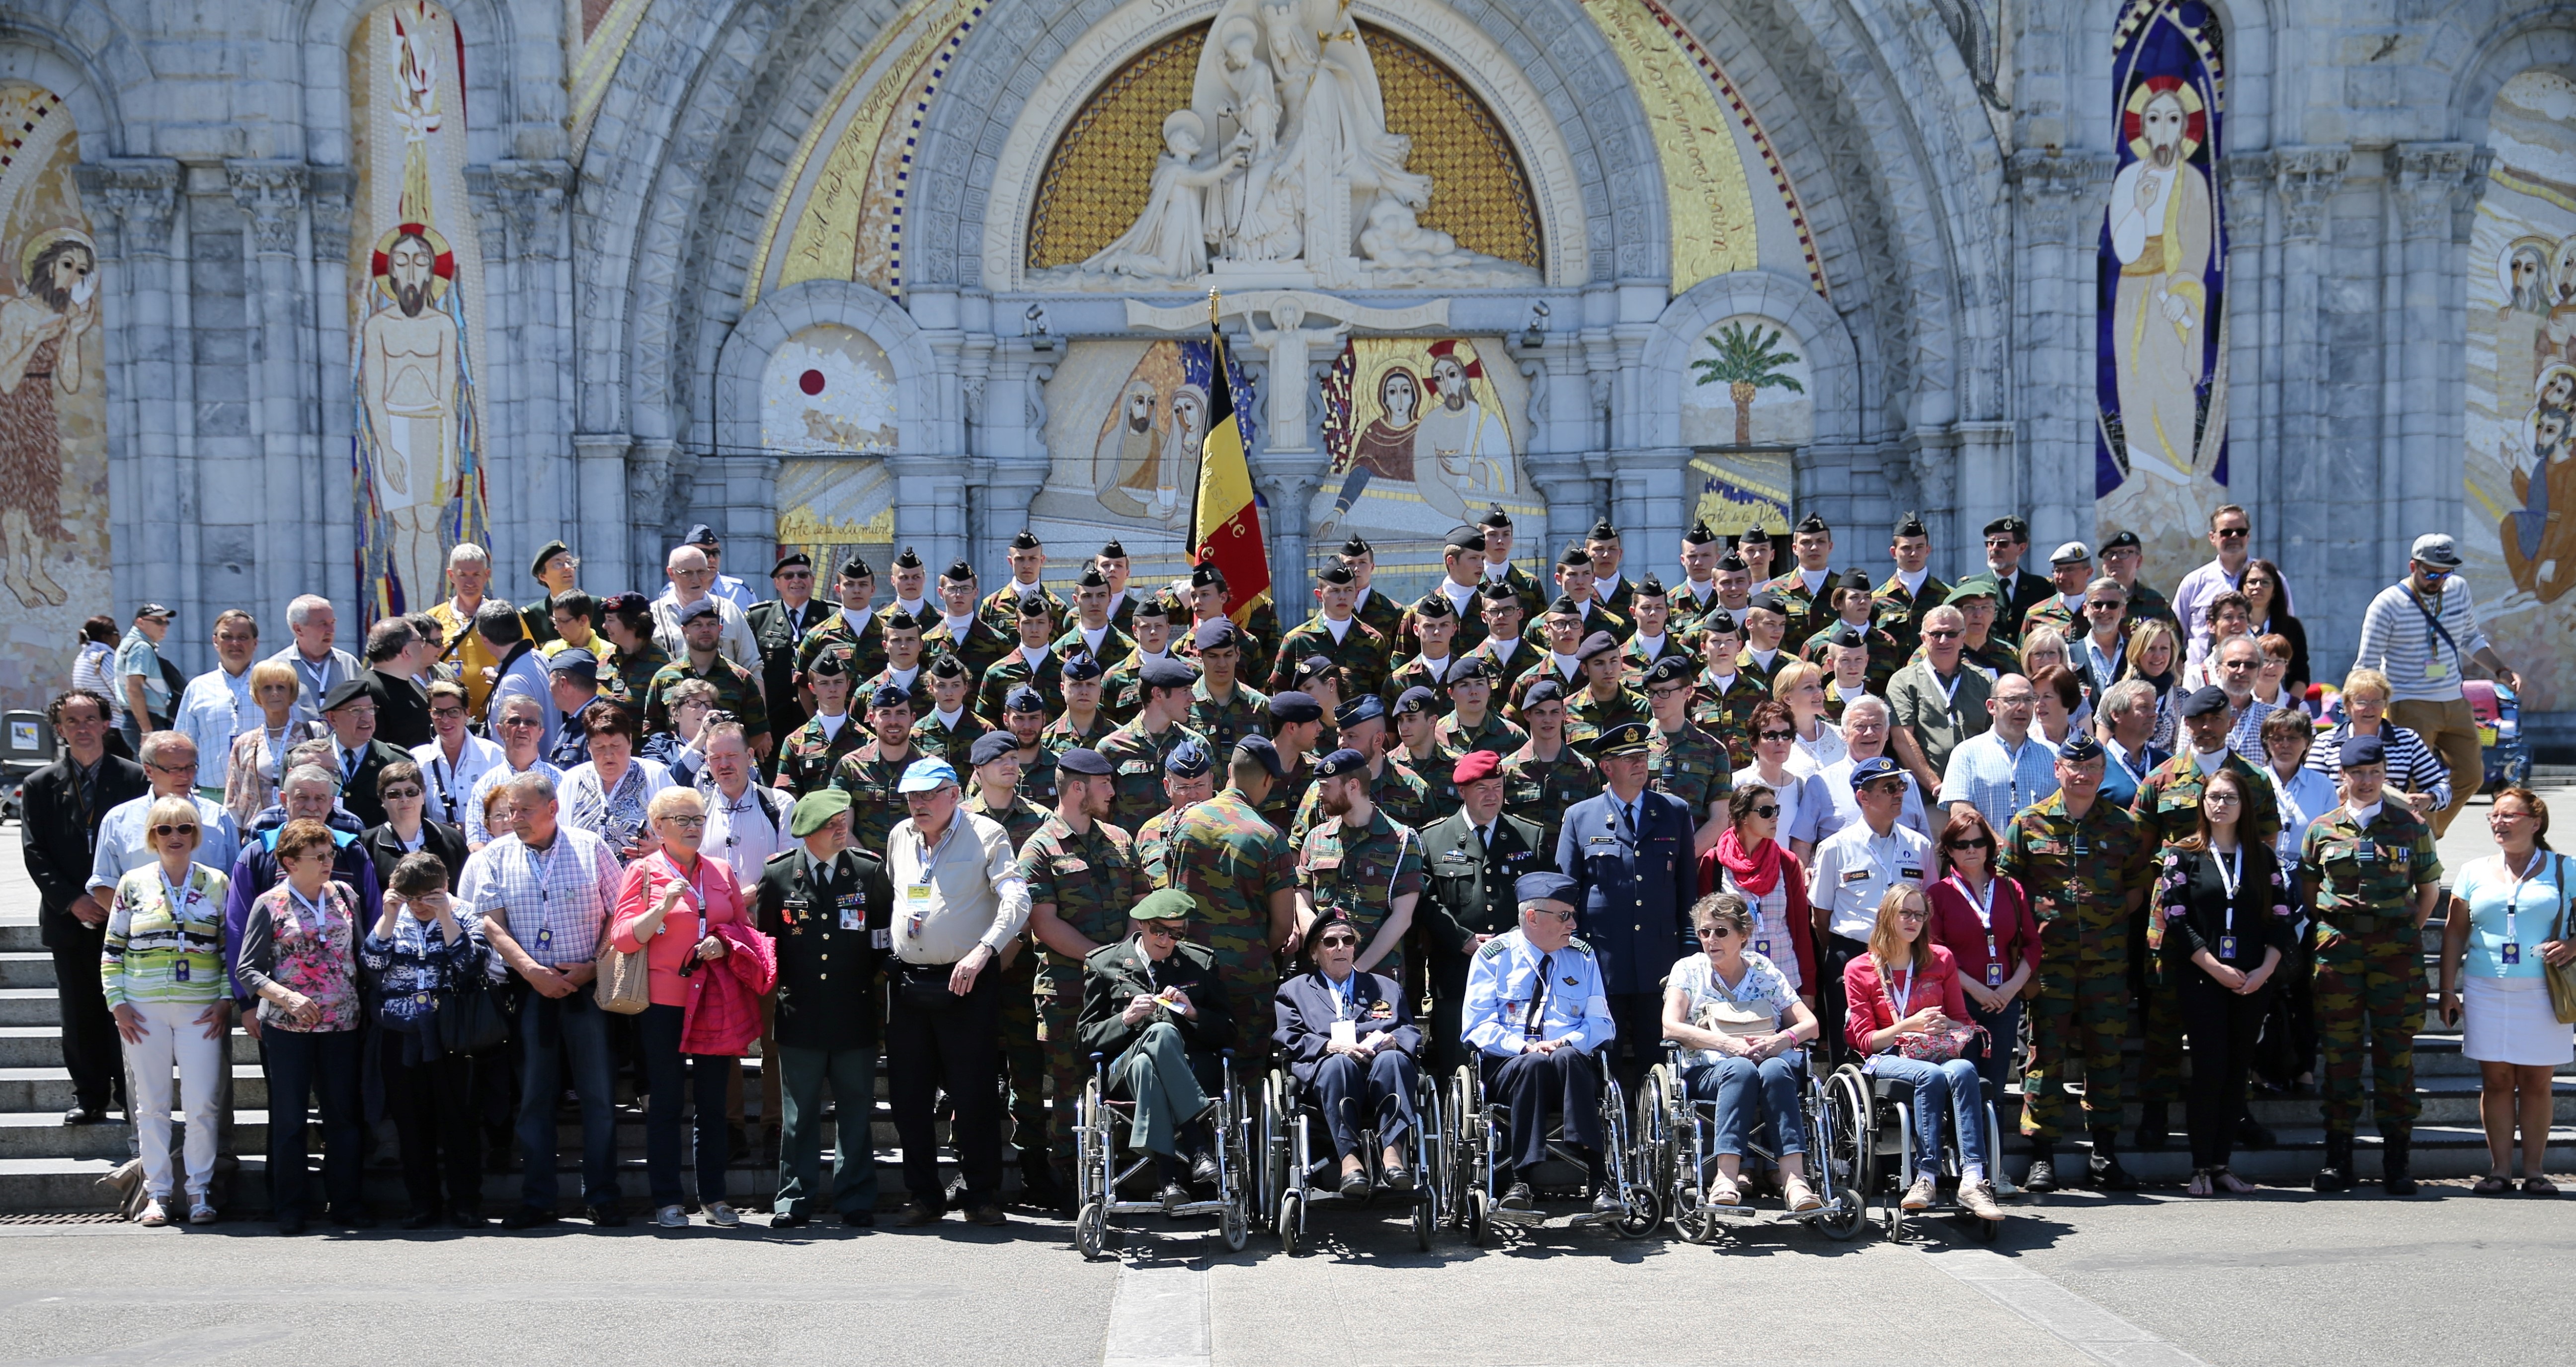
27, 968
19, 933
2439, 1151
29, 1006
41, 1046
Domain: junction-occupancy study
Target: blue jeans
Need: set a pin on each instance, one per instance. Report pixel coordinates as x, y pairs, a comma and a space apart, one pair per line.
549, 1027
1955, 1087
324, 1065
2003, 1036
709, 1074
1732, 1084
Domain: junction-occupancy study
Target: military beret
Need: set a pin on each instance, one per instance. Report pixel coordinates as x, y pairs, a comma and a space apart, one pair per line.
1415, 699
1189, 759
1025, 541
947, 666
1670, 668
1154, 606
1845, 635
1086, 761
1355, 548
1206, 575
1649, 587
1081, 668
857, 567
546, 552
1974, 586
1596, 644
1166, 673
1545, 690
2121, 541
1699, 534
1813, 523
1875, 767
1544, 887
1574, 554
700, 535
1495, 517
575, 661
1731, 563
1259, 750
887, 695
1165, 904
2072, 553
991, 746
1565, 606
1365, 707
1602, 531
1756, 535
1769, 600
629, 603
1336, 574
1911, 525
816, 809
1473, 667
793, 560
1474, 765
1294, 706
1720, 622
1311, 668
2009, 525
342, 694
1496, 591
827, 665
1024, 699
958, 572
2080, 748
2363, 750
1623, 738
1340, 762
1463, 538
2203, 701
1433, 606
704, 607
909, 560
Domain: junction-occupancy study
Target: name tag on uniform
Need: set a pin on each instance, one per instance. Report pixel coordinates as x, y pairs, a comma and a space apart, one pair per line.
1855, 875
916, 906
179, 971
1905, 872
1994, 974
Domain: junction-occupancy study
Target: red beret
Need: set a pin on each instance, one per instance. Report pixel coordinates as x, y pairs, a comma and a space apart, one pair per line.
1477, 764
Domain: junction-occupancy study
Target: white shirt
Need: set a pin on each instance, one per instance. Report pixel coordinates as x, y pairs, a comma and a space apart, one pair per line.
1340, 629
215, 708
1459, 595
902, 678
2363, 816
913, 608
1854, 868
1913, 579
1503, 649
1649, 646
1763, 657
449, 787
1035, 656
831, 724
957, 625
1024, 591
1092, 637
1813, 579
740, 833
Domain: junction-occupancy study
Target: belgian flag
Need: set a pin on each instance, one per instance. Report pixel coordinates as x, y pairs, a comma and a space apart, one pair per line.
1225, 522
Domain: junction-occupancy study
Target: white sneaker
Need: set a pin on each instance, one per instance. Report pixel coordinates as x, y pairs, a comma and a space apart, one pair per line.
152, 1214
671, 1217
200, 1213
722, 1214
1919, 1196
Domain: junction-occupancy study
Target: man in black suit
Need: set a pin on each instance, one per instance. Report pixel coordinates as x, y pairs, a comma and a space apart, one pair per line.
818, 901
1350, 1039
64, 802
1635, 874
406, 829
350, 711
779, 625
394, 654
1471, 859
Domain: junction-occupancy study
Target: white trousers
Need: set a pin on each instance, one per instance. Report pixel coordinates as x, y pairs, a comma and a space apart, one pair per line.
172, 1036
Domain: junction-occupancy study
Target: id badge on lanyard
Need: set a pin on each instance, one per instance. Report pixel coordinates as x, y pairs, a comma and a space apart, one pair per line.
916, 908
2232, 874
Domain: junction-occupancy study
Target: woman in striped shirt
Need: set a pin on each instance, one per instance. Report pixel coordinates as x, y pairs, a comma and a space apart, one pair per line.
2414, 771
163, 976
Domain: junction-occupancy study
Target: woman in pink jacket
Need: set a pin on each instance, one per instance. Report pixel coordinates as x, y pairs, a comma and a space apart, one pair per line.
1906, 1016
685, 914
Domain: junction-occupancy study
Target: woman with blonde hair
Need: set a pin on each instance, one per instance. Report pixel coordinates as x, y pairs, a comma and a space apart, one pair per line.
2414, 771
259, 752
1910, 1020
163, 974
2155, 659
1800, 687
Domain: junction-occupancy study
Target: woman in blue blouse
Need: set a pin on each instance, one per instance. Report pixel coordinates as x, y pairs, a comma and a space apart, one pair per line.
420, 949
2508, 916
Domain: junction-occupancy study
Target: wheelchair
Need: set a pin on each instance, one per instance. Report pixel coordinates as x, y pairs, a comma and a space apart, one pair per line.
1473, 1177
1874, 1143
1676, 1139
1098, 1175
1293, 1132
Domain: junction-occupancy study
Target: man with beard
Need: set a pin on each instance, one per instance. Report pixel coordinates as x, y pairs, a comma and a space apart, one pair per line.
407, 377
40, 342
1358, 864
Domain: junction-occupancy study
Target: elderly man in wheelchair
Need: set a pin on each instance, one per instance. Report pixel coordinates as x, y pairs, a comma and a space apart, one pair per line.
1349, 1040
1741, 1035
1152, 1008
1537, 1017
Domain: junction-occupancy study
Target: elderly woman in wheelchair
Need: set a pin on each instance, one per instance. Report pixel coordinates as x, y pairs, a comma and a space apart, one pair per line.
1742, 1033
1910, 1020
1349, 1039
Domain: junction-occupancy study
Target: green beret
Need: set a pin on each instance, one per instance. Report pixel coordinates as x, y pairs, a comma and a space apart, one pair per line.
1166, 904
816, 809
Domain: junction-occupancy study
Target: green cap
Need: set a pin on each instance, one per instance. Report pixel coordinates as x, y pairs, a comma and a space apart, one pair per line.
1975, 586
1166, 904
815, 810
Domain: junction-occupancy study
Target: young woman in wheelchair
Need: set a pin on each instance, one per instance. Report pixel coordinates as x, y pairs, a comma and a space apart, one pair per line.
1743, 1034
1910, 1019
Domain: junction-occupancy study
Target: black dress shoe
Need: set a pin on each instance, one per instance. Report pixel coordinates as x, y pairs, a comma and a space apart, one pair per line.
1398, 1177
918, 1213
290, 1225
1355, 1184
423, 1219
606, 1215
1516, 1196
986, 1213
2106, 1174
1606, 1202
466, 1217
859, 1219
85, 1115
350, 1219
528, 1217
1203, 1168
2042, 1177
788, 1221
1175, 1196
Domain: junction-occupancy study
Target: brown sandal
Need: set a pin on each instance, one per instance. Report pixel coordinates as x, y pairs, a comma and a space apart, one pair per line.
2492, 1185
2540, 1186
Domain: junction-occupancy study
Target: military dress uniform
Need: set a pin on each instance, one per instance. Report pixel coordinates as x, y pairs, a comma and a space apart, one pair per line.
2145, 602
1518, 995
2016, 599
1361, 873
2168, 801
778, 628
871, 778
1467, 892
2370, 964
1247, 713
736, 692
1233, 861
1093, 879
2051, 612
1636, 874
829, 932
1138, 757
2078, 874
807, 760
1540, 790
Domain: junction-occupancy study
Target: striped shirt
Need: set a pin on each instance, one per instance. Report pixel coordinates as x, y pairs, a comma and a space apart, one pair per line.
2412, 765
1997, 782
2397, 641
475, 831
555, 902
160, 952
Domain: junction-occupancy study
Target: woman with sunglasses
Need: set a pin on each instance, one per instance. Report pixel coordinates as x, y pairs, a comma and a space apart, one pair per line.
2155, 658
1804, 804
1751, 863
163, 973
2225, 907
1744, 1029
1906, 1011
259, 753
1984, 920
407, 828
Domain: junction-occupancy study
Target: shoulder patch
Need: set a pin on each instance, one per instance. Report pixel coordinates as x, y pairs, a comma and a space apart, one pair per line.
1494, 949
1580, 946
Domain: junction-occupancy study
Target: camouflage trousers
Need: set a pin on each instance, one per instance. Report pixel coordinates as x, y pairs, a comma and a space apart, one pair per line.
1068, 1067
2076, 1021
1250, 976
2159, 1021
2370, 1002
1023, 1060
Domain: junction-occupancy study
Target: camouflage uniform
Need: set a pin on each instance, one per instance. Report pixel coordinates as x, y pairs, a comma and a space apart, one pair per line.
1884, 656
1019, 821
1246, 714
2051, 612
1059, 735
875, 806
981, 650
806, 761
1437, 771
1691, 765
1223, 853
736, 692
1528, 655
1900, 614
1360, 656
1122, 689
1494, 733
2370, 960
1538, 791
1634, 661
1413, 673
2145, 602
2078, 875
1000, 609
955, 744
1807, 611
2168, 804
1397, 791
1728, 716
863, 651
1038, 776
1114, 644
1586, 717
1382, 615
1281, 806
1138, 759
1047, 679
863, 696
1362, 874
630, 676
1760, 675
1154, 847
1093, 880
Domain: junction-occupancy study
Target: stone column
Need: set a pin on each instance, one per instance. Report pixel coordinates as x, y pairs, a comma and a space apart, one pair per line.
302, 492
329, 190
2254, 315
2058, 203
152, 491
2306, 179
599, 534
1289, 479
529, 197
930, 507
648, 492
2425, 452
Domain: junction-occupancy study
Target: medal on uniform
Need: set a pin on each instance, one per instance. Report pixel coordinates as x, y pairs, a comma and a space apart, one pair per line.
853, 917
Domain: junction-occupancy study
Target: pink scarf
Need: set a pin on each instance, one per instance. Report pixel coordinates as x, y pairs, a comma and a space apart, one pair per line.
1756, 873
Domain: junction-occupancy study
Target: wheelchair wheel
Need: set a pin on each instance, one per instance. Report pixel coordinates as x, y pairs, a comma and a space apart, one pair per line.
1091, 1231
1273, 1158
1290, 1225
1235, 1226
1640, 1212
1091, 1140
1426, 1215
1658, 1137
1467, 1138
1480, 1217
1845, 1217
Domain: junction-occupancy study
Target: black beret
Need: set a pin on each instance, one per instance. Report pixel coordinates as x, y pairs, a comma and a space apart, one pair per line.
2122, 540
1472, 667
1259, 749
1340, 762
791, 561
1294, 706
1024, 699
1311, 668
1025, 541
990, 746
1167, 673
342, 694
908, 560
1189, 759
1545, 690
887, 695
1670, 668
2009, 525
1216, 633
704, 607
573, 660
2203, 701
1081, 668
2363, 750
546, 552
1084, 760
2080, 748
1416, 699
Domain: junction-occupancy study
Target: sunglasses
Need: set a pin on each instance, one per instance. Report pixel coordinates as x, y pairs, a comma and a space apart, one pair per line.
390, 794
167, 829
1980, 843
1565, 916
1715, 932
1777, 735
1164, 930
2233, 533
515, 723
1767, 810
1941, 633
1889, 788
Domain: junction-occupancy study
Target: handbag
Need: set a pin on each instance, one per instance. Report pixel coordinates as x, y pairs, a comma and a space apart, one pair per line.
624, 982
2561, 977
471, 1018
1742, 1022
1940, 1046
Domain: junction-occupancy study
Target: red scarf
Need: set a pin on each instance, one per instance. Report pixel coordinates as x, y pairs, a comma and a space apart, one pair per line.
1755, 873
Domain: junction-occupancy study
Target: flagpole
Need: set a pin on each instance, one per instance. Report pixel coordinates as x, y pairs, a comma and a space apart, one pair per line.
1216, 372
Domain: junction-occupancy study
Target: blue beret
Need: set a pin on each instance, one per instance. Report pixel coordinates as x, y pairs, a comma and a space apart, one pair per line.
1340, 762
573, 660
1189, 759
991, 746
2204, 700
1085, 760
887, 695
1545, 690
2363, 750
1312, 667
1295, 706
1669, 668
1024, 699
1260, 749
1365, 707
2080, 748
1214, 634
1416, 699
1081, 668
1544, 887
1598, 643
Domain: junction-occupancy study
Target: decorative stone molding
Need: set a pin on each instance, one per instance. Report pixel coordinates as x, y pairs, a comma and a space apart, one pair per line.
531, 194
331, 190
491, 231
2053, 187
142, 194
2307, 178
2248, 179
2429, 177
269, 191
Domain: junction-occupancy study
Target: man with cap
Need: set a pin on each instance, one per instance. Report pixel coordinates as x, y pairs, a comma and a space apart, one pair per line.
1507, 654
2017, 590
2167, 802
2086, 866
873, 773
1001, 608
1684, 762
1221, 708
1189, 778
996, 771
911, 585
1610, 588
1473, 722
1123, 688
1654, 639
1374, 609
555, 569
1157, 1007
852, 629
1735, 582
572, 681
807, 759
1261, 632
1575, 580
959, 901
1462, 576
1431, 626
2120, 557
1854, 668
1471, 860
1032, 661
1852, 870
1244, 873
1603, 701
1546, 775
2070, 568
1024, 721
693, 580
737, 692
951, 728
1696, 594
830, 910
1359, 864
1723, 696
1083, 875
1498, 567
1136, 751
1114, 568
1984, 645
725, 586
1092, 632
1910, 590
979, 639
1766, 629
1084, 721
904, 658
1416, 746
1348, 1036
1563, 627
2372, 873
1535, 1012
1299, 723
2004, 768
997, 798
1853, 608
1359, 650
1402, 795
356, 755
1937, 700
2423, 633
1806, 588
779, 625
1631, 852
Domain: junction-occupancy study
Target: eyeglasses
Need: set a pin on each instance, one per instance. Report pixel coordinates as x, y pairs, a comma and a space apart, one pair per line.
1776, 735
173, 768
687, 823
1164, 930
1941, 633
1913, 914
1715, 932
396, 794
447, 711
167, 829
1565, 916
1767, 810
2219, 799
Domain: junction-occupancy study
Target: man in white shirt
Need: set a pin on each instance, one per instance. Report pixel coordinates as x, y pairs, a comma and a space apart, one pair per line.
1855, 866
911, 583
319, 665
1865, 730
693, 581
1608, 553
725, 586
2231, 534
1462, 572
170, 764
218, 705
451, 764
1093, 633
